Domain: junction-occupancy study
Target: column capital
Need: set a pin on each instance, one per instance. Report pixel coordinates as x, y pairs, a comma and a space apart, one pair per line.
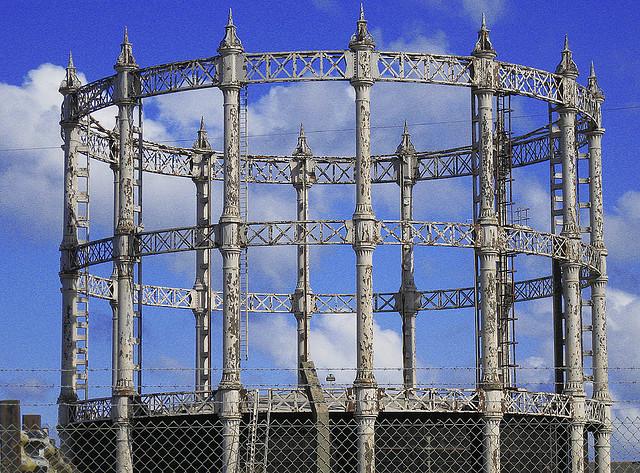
595, 131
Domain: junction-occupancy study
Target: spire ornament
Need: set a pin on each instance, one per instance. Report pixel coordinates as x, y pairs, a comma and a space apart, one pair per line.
71, 81
302, 148
362, 39
484, 47
202, 141
567, 66
126, 59
593, 86
406, 146
230, 43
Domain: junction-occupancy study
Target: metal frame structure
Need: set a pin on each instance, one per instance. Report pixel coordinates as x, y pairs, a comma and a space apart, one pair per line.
575, 245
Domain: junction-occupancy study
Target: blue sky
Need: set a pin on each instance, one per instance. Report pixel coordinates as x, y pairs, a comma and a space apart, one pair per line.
36, 38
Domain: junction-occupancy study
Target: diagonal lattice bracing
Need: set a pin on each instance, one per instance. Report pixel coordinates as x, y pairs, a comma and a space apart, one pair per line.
185, 75
296, 66
428, 68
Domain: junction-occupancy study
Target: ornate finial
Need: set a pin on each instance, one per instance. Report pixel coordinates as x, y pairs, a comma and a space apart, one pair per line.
202, 142
302, 148
362, 39
70, 81
406, 146
126, 52
230, 43
592, 84
567, 67
483, 47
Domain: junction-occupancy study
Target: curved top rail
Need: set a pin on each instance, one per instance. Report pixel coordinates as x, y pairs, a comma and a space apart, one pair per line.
302, 66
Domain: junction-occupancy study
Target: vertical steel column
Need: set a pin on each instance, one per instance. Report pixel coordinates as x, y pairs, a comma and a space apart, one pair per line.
556, 210
484, 68
231, 74
574, 386
201, 176
68, 277
124, 388
364, 243
303, 177
598, 287
408, 299
113, 302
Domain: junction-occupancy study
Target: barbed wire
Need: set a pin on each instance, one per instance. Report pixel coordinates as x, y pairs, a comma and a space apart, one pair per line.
285, 369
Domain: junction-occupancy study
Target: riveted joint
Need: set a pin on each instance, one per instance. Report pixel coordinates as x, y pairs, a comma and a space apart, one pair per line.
232, 70
303, 172
365, 232
231, 235
364, 67
485, 74
407, 300
298, 303
489, 238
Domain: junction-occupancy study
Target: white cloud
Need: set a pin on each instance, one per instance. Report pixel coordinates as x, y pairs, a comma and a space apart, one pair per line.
471, 8
30, 179
621, 224
332, 346
492, 8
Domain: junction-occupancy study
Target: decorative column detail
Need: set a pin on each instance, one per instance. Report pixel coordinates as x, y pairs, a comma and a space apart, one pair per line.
601, 393
364, 224
69, 278
231, 74
485, 73
407, 299
571, 269
303, 177
201, 175
115, 168
123, 246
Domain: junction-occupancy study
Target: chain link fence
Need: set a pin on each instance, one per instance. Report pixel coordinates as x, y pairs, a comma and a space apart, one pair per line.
405, 442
